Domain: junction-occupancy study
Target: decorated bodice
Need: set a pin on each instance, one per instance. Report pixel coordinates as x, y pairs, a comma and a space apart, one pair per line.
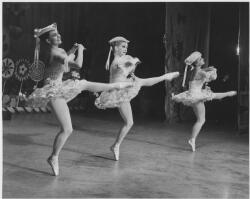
201, 77
122, 67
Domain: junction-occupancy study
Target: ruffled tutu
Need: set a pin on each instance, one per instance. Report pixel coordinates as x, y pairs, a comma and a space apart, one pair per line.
114, 98
191, 97
67, 90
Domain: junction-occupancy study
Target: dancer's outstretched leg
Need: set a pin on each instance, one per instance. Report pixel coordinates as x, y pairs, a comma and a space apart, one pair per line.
154, 80
226, 94
98, 87
61, 111
127, 115
126, 111
200, 112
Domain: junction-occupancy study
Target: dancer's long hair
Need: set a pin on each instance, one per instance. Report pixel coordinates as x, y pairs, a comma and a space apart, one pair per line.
45, 52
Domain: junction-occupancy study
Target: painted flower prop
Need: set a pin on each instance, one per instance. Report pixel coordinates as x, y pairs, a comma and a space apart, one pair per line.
22, 73
8, 68
22, 69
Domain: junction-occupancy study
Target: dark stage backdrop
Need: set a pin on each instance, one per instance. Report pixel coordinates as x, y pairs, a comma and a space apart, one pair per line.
223, 55
243, 68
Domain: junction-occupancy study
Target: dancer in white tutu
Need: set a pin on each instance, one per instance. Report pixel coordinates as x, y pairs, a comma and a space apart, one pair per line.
122, 70
196, 95
56, 92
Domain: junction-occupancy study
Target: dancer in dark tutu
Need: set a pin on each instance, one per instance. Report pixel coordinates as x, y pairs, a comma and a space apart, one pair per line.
196, 95
122, 70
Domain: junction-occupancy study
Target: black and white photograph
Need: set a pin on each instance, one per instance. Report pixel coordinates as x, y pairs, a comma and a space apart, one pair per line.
129, 99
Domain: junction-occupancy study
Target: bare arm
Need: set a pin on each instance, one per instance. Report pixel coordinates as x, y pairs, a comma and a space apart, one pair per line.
208, 69
71, 52
62, 57
73, 49
79, 58
132, 68
200, 74
207, 74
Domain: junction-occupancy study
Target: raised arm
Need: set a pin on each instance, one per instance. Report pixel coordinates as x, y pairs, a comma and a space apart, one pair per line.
127, 67
73, 49
130, 67
210, 73
61, 56
209, 69
79, 58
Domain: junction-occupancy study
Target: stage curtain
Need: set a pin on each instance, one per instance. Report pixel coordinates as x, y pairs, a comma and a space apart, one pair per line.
243, 68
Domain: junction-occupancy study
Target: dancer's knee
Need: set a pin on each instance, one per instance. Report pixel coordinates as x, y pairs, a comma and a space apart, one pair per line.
201, 121
129, 124
68, 130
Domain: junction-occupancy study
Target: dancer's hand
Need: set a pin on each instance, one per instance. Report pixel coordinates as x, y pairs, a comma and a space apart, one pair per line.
75, 46
73, 49
72, 57
81, 47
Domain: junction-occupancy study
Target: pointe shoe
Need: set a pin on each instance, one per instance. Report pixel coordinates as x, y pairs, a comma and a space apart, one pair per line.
53, 162
171, 76
115, 151
232, 93
192, 143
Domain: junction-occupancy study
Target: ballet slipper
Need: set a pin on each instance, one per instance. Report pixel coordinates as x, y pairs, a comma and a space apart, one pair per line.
171, 76
192, 143
53, 162
115, 151
232, 93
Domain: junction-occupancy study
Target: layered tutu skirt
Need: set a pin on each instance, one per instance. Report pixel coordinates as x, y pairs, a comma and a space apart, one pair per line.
191, 97
114, 98
67, 90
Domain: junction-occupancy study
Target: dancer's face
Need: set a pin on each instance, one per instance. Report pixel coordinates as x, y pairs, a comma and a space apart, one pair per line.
54, 38
200, 62
121, 49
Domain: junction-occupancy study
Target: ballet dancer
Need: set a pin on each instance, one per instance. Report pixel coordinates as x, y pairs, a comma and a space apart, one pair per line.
196, 95
122, 70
